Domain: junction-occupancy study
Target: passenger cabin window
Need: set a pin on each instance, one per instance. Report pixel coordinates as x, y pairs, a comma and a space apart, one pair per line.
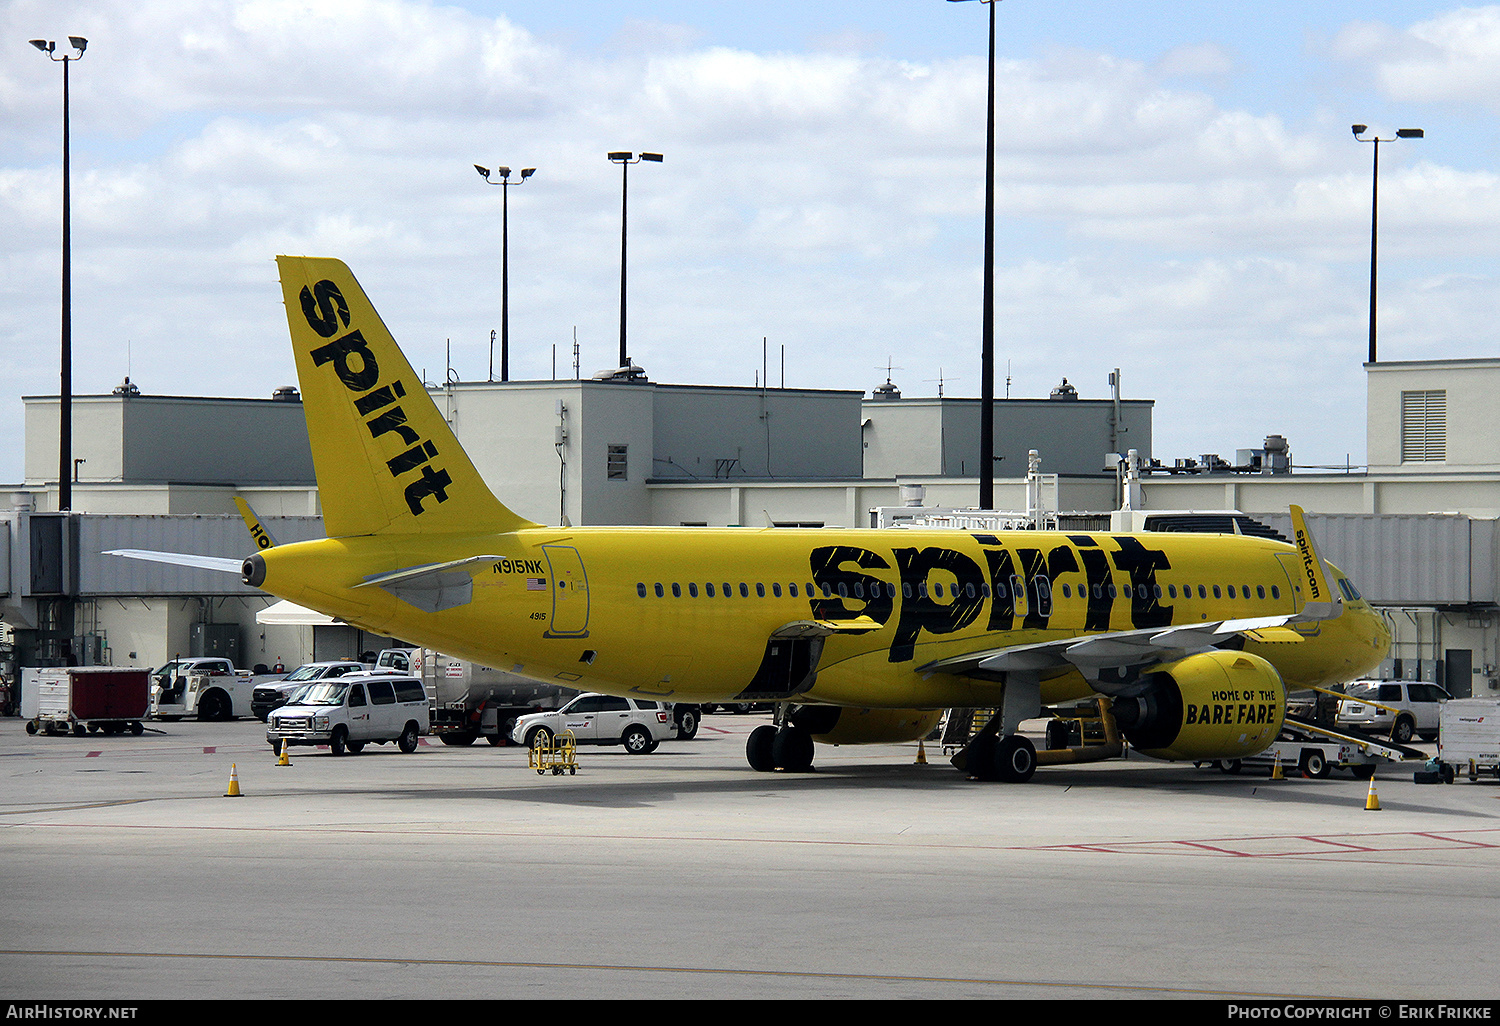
410, 691
381, 693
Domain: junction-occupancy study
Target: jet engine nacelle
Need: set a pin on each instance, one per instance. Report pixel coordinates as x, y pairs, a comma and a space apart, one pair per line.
1215, 705
846, 726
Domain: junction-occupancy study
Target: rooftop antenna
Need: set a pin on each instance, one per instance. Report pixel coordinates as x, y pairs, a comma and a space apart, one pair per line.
1007, 379
939, 380
889, 389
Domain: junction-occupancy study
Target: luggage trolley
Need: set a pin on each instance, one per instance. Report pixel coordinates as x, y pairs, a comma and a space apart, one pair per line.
555, 753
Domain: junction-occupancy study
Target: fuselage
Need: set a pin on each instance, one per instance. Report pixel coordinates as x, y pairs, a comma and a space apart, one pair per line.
690, 614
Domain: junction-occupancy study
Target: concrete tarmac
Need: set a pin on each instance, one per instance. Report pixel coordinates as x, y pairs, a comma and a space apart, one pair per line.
460, 873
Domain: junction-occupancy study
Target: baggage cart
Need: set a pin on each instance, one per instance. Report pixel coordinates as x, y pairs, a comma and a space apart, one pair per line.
85, 699
558, 754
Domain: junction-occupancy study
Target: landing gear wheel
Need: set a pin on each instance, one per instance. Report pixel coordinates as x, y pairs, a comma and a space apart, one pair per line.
1363, 772
792, 750
1314, 766
1229, 765
459, 739
758, 749
982, 759
1015, 759
687, 725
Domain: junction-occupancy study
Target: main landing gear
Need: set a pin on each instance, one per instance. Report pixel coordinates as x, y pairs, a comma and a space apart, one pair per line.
1011, 759
785, 747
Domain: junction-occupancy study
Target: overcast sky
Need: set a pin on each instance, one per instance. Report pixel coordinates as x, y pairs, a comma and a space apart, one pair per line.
1179, 194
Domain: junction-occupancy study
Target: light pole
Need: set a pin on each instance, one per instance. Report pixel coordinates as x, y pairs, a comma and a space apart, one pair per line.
1401, 133
625, 159
65, 391
987, 333
505, 183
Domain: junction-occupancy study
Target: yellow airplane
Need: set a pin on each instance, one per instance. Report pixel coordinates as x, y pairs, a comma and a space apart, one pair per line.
858, 636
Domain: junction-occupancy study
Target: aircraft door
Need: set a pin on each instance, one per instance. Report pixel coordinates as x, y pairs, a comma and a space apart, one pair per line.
570, 592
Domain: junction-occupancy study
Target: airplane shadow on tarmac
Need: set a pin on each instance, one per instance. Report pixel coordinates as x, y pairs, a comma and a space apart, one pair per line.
608, 788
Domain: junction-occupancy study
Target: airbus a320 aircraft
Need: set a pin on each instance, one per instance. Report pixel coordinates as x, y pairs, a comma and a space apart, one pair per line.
856, 635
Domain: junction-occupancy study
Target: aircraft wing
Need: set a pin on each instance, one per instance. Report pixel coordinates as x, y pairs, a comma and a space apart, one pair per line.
1094, 652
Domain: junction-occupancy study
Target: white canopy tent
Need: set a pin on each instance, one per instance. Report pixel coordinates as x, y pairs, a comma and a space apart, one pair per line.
289, 614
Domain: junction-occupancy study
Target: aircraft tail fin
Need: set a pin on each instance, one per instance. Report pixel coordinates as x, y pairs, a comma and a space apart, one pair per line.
1322, 603
387, 462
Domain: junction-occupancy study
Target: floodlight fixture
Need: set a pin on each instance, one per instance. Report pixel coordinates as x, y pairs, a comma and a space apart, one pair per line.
1375, 140
987, 314
65, 383
625, 158
505, 183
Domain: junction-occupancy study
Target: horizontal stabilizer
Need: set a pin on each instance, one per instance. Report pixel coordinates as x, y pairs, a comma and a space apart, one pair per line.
219, 564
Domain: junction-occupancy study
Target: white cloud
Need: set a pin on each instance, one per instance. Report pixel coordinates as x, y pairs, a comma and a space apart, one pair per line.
828, 201
1454, 57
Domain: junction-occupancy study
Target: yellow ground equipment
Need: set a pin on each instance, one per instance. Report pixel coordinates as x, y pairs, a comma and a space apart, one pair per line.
554, 753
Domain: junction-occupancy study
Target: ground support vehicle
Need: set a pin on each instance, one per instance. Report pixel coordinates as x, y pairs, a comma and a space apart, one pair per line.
208, 687
346, 713
556, 754
207, 696
1468, 740
471, 701
83, 699
1314, 750
637, 723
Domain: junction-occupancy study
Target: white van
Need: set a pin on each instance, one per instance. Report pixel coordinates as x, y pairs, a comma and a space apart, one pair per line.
352, 711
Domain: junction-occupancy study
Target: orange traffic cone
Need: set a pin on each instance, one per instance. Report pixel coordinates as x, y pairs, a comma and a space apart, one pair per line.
1372, 802
921, 754
234, 783
285, 757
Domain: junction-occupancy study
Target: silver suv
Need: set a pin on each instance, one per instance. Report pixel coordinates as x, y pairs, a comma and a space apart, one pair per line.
1399, 708
638, 724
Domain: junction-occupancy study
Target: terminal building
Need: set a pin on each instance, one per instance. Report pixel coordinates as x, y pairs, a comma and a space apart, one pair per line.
1416, 528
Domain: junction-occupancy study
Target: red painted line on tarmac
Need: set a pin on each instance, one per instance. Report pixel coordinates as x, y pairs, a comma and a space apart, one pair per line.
93, 755
209, 750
